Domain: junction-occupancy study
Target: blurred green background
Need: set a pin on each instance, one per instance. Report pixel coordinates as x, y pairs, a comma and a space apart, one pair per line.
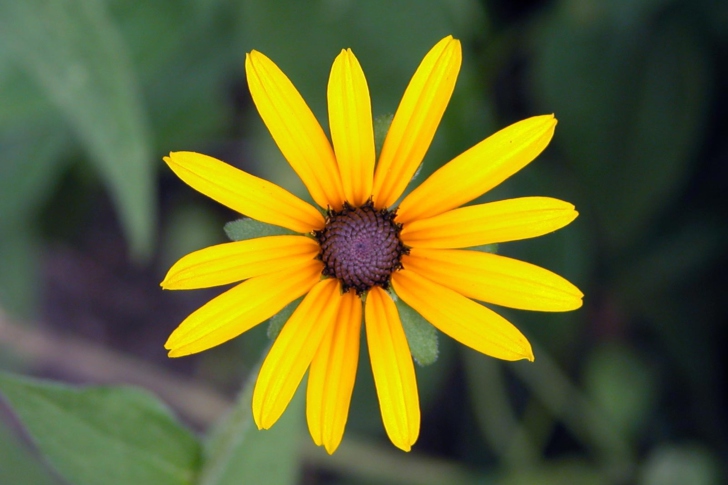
629, 389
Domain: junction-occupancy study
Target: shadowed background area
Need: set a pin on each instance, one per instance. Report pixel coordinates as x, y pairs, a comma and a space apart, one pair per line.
629, 389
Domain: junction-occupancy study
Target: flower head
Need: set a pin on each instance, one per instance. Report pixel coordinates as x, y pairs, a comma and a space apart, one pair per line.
349, 256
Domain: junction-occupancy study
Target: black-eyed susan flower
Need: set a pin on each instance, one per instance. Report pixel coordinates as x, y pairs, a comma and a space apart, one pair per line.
359, 248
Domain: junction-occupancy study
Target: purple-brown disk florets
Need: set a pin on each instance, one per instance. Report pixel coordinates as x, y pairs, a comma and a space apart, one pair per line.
361, 247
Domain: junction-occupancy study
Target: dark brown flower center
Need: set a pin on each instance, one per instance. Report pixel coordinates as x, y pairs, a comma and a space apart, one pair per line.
361, 246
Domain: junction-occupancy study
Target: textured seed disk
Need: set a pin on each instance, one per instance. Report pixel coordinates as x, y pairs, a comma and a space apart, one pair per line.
361, 247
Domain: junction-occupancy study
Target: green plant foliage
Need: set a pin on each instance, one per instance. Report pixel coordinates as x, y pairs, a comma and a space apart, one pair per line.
610, 372
671, 464
632, 100
238, 453
242, 229
19, 270
18, 465
184, 54
109, 435
73, 51
421, 335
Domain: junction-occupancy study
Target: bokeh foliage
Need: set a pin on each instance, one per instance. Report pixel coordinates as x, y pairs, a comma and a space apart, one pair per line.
630, 389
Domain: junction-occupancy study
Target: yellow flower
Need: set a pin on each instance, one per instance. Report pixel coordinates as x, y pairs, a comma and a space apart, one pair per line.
348, 262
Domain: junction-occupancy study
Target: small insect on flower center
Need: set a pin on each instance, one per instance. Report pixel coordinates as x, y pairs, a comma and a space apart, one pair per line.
361, 246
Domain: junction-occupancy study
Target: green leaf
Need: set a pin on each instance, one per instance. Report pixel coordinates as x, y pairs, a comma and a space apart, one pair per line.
238, 453
421, 335
18, 465
73, 51
109, 435
30, 165
279, 319
245, 228
20, 256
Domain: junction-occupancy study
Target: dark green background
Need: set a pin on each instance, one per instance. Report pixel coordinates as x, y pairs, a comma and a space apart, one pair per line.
629, 389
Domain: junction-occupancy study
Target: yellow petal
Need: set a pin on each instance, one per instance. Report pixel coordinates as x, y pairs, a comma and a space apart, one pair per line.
350, 121
236, 261
292, 351
502, 221
241, 308
464, 320
479, 169
495, 279
245, 193
294, 129
394, 372
416, 120
332, 374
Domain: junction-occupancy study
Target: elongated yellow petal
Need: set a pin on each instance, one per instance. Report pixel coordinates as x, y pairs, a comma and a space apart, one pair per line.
394, 372
479, 169
495, 279
236, 261
464, 320
245, 193
502, 221
292, 352
241, 308
294, 129
332, 375
416, 120
350, 121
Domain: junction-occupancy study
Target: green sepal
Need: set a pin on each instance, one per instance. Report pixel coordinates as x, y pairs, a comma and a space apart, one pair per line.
486, 248
246, 228
276, 322
421, 335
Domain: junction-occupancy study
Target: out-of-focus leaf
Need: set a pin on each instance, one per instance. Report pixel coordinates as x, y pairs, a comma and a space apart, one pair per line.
680, 464
239, 453
17, 465
74, 52
114, 436
29, 164
557, 473
24, 103
421, 335
188, 229
620, 382
184, 54
245, 228
631, 104
19, 270
691, 248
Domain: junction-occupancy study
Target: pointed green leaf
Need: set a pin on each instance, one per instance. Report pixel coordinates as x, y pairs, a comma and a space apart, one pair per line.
72, 50
109, 435
250, 228
421, 335
238, 453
